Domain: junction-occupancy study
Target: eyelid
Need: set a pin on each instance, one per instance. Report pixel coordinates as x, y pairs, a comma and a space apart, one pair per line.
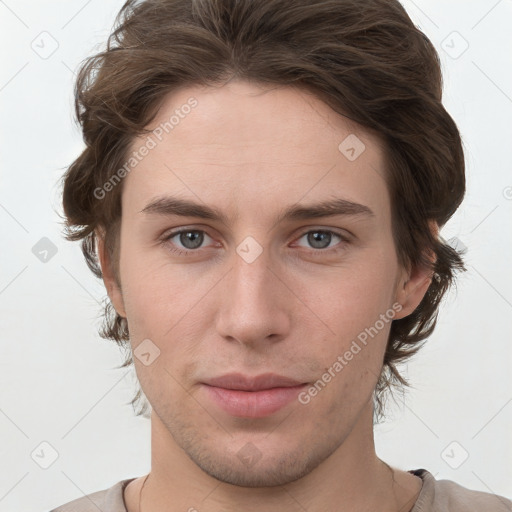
183, 229
343, 233
344, 237
179, 229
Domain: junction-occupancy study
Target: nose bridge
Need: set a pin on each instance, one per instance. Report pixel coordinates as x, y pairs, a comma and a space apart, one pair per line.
250, 279
252, 307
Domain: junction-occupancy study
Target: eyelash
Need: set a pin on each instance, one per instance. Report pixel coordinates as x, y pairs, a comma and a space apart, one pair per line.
315, 252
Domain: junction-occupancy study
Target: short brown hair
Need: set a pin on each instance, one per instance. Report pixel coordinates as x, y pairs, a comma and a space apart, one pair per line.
364, 58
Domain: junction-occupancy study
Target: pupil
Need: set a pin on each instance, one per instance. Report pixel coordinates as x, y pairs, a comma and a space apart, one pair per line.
319, 239
191, 239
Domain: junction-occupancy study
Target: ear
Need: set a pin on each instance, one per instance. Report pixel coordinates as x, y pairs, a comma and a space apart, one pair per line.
112, 286
413, 283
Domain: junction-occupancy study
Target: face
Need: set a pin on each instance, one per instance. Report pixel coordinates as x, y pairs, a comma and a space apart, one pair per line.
263, 317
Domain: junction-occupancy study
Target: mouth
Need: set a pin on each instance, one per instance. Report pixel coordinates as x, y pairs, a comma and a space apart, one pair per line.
252, 397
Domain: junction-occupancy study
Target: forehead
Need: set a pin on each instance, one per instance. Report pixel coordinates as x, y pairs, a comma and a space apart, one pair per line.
240, 144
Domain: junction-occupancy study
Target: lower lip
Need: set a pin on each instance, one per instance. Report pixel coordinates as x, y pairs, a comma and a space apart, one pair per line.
252, 404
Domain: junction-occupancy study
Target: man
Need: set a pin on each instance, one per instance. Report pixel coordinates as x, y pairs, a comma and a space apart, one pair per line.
264, 182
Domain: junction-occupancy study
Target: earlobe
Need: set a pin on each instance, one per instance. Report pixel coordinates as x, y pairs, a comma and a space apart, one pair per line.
414, 282
412, 290
109, 280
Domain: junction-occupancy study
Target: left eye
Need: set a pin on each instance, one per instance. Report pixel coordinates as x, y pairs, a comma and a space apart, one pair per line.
321, 239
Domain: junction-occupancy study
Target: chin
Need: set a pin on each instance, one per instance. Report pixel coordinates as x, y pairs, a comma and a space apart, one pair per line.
273, 471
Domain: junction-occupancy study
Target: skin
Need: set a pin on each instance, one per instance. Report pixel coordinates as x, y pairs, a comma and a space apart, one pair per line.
252, 151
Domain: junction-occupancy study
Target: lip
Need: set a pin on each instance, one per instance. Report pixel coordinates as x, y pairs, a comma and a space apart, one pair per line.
252, 397
240, 382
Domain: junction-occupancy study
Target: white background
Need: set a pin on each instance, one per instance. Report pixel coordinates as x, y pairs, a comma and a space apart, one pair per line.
58, 379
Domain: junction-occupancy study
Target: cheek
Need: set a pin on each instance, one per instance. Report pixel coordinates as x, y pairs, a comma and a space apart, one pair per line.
155, 290
150, 299
171, 306
357, 307
352, 299
348, 365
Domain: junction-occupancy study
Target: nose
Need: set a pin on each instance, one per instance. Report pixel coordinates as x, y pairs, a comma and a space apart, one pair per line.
254, 306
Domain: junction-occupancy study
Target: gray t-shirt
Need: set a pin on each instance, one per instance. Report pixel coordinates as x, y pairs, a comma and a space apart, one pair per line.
435, 496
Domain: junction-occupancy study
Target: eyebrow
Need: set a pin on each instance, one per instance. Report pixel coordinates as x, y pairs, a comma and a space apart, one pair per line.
169, 205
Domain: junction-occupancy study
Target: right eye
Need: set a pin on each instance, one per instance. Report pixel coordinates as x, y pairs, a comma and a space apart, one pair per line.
187, 240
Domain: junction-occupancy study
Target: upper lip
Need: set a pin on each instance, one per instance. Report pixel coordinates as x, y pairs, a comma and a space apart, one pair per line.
238, 381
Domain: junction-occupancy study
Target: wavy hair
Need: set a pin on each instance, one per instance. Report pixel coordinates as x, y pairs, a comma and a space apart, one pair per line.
364, 58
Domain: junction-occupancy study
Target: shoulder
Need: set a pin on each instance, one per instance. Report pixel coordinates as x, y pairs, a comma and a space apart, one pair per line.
448, 496
107, 500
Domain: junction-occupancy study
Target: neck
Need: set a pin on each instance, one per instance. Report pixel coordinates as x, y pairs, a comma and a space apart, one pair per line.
353, 476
